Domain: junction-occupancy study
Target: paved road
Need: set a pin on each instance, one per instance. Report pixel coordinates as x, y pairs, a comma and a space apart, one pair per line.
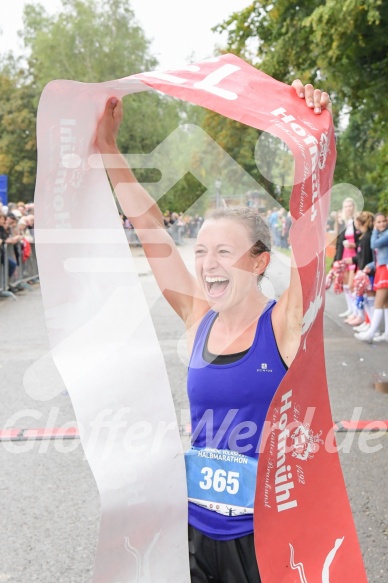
49, 501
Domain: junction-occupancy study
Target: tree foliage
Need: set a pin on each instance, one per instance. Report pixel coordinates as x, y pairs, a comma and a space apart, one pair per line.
241, 143
88, 41
341, 46
17, 137
94, 41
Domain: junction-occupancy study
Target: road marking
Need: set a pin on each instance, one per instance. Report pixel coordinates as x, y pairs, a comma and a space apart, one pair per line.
40, 433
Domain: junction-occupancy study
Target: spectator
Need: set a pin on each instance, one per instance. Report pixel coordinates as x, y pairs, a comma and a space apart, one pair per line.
273, 221
364, 255
24, 230
167, 219
176, 228
347, 241
379, 244
30, 208
16, 214
194, 226
286, 223
6, 237
331, 221
21, 207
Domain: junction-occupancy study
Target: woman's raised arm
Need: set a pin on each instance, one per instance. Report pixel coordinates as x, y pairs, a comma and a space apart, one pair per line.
175, 281
288, 313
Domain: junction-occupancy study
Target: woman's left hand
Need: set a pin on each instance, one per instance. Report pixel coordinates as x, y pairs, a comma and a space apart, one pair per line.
315, 98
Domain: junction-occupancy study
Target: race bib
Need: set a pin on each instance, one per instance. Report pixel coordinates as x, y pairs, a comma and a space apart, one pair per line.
221, 480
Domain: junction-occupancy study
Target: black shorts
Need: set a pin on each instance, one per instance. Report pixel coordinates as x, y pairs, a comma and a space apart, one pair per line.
219, 561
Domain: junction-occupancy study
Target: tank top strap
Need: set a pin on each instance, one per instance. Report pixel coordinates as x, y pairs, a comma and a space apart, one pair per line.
269, 305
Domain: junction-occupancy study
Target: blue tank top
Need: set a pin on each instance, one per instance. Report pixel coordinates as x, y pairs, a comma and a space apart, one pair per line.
228, 406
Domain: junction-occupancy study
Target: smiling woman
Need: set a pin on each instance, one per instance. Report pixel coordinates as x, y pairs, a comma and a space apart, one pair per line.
231, 255
241, 345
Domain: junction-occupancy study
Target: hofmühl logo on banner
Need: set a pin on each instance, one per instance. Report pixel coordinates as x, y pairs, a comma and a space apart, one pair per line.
283, 475
305, 443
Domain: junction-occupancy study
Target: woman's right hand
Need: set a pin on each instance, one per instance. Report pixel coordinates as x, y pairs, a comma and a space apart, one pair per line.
108, 125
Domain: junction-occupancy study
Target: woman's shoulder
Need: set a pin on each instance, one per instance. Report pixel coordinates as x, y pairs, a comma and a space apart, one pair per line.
366, 237
380, 238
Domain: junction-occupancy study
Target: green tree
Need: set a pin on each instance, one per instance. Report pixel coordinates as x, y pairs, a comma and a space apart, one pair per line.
17, 127
94, 41
240, 141
341, 45
89, 41
363, 159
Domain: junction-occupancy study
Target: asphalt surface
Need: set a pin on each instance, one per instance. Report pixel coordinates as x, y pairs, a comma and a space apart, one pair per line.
49, 504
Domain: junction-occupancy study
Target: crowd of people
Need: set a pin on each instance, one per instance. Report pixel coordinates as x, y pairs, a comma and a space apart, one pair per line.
280, 223
17, 232
17, 236
178, 225
360, 264
360, 271
181, 226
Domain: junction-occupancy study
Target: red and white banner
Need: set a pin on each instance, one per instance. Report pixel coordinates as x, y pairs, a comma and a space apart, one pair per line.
304, 529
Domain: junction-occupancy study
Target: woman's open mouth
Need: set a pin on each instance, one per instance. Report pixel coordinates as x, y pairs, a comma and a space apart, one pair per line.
216, 286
